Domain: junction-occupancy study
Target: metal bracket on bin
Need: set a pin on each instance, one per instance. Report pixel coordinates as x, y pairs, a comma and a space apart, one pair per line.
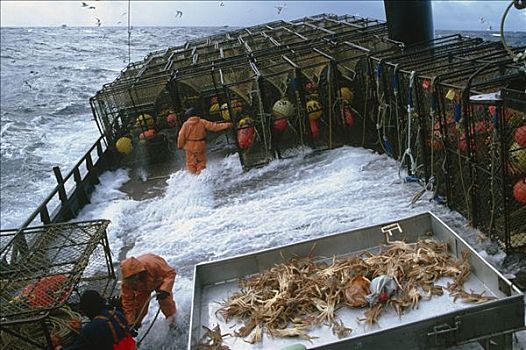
443, 329
388, 231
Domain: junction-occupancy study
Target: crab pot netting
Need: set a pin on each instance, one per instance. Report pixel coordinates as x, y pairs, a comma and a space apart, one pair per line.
44, 269
513, 148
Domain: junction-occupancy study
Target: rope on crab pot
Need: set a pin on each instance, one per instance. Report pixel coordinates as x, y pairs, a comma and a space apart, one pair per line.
458, 112
410, 109
396, 83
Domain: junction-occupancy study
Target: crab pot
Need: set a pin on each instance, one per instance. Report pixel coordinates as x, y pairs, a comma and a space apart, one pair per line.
244, 105
405, 96
353, 92
44, 271
499, 162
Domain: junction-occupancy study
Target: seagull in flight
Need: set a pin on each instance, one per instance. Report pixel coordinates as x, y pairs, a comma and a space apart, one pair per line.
91, 8
122, 14
179, 14
222, 4
98, 21
119, 22
281, 8
26, 83
84, 4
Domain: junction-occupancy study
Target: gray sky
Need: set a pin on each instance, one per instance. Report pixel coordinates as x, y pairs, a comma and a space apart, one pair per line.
454, 15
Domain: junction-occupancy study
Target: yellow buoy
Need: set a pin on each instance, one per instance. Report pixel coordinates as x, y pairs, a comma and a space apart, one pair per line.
225, 114
237, 106
517, 156
124, 145
244, 121
144, 121
283, 108
214, 109
314, 110
346, 94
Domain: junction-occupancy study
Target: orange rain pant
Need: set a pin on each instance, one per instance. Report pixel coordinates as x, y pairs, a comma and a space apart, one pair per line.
195, 161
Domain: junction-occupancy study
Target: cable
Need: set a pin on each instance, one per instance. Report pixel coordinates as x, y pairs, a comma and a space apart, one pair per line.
149, 328
129, 31
516, 57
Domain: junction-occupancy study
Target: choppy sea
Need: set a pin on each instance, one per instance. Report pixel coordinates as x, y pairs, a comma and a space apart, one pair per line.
47, 78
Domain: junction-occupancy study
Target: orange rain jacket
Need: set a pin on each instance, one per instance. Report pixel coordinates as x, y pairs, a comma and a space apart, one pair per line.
192, 138
136, 295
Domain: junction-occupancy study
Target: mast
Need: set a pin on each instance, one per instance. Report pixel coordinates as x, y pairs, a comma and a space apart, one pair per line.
409, 21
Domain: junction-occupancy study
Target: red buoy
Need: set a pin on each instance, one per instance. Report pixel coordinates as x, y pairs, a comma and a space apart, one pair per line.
148, 134
349, 118
314, 128
311, 87
519, 191
280, 124
520, 136
171, 119
245, 136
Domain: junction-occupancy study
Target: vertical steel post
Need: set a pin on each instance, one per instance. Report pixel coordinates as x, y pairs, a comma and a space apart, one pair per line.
409, 21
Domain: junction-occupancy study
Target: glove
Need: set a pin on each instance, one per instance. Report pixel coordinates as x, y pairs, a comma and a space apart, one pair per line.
134, 331
162, 295
115, 301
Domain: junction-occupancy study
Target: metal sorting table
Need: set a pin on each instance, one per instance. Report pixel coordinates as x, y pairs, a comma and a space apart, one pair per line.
437, 323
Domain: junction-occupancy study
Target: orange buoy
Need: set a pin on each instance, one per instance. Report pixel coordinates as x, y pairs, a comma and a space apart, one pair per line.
48, 291
280, 124
245, 136
519, 191
171, 119
349, 118
520, 136
314, 128
148, 134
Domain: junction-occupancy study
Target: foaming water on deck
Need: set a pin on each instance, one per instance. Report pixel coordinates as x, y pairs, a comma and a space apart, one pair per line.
226, 212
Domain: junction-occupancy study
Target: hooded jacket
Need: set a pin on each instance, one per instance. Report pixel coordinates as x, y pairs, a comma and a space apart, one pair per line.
159, 277
192, 136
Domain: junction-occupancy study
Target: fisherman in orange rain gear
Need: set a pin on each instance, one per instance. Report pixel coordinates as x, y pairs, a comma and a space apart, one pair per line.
192, 137
140, 277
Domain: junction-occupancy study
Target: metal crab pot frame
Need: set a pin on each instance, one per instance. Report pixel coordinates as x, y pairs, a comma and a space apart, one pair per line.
44, 270
498, 157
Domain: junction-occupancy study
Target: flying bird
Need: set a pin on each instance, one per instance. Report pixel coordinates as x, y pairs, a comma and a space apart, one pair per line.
91, 8
84, 4
26, 83
98, 21
281, 8
222, 4
179, 14
122, 14
119, 22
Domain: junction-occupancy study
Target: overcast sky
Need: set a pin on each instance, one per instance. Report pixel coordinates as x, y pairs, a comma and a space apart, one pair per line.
454, 15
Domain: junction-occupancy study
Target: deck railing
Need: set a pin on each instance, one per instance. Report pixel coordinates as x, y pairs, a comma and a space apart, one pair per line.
72, 191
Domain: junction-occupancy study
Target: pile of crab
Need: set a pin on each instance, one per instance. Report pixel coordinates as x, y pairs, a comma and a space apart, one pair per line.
290, 298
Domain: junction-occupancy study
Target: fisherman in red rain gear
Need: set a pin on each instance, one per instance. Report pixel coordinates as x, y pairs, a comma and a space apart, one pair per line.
140, 277
192, 138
